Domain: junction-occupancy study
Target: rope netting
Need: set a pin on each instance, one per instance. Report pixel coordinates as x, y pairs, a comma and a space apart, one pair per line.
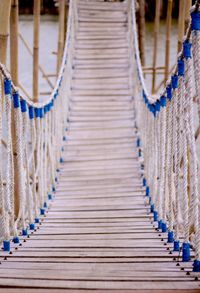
166, 142
31, 136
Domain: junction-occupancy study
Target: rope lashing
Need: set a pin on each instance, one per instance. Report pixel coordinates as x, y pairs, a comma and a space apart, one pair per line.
34, 139
166, 132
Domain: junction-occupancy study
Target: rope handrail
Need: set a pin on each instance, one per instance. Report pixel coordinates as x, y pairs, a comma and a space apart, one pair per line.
32, 134
166, 142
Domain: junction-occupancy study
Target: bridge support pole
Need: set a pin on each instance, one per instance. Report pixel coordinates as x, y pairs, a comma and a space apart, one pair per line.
168, 36
61, 33
155, 47
14, 41
4, 28
36, 37
142, 30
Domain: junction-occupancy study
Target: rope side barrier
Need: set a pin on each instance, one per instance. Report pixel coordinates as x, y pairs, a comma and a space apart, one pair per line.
36, 151
166, 141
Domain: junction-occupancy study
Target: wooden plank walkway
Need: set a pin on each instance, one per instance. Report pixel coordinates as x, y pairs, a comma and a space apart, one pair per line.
98, 233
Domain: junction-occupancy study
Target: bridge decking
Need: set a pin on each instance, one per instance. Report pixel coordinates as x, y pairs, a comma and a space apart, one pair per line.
98, 232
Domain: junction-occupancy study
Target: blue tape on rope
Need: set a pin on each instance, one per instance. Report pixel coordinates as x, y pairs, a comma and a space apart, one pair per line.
196, 266
174, 79
6, 245
37, 112
49, 196
42, 212
23, 106
150, 200
41, 112
45, 109
163, 101
147, 191
61, 160
176, 245
170, 238
181, 67
37, 220
45, 204
16, 100
31, 112
155, 216
169, 92
195, 21
53, 189
164, 227
144, 182
152, 208
138, 142
32, 226
16, 240
186, 251
160, 224
157, 106
24, 232
139, 153
7, 87
187, 49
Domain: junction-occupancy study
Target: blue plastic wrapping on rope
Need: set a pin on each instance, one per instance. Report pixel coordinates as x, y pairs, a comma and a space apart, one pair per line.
49, 196
187, 49
196, 266
41, 114
138, 142
155, 216
147, 191
6, 245
144, 97
169, 92
24, 232
16, 240
42, 212
31, 112
32, 226
45, 204
16, 100
144, 182
163, 101
170, 238
37, 220
174, 81
152, 109
157, 106
37, 112
152, 208
195, 21
46, 109
7, 87
23, 106
164, 227
181, 67
186, 251
160, 224
176, 245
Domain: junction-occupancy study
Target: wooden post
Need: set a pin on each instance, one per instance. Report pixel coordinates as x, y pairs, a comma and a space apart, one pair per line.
4, 28
36, 37
142, 30
156, 32
181, 23
168, 36
187, 13
14, 41
61, 33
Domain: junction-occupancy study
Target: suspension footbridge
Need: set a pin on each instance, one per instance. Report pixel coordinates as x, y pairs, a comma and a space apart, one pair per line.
107, 196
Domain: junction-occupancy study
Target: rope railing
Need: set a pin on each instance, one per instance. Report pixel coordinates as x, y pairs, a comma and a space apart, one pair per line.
31, 137
166, 142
